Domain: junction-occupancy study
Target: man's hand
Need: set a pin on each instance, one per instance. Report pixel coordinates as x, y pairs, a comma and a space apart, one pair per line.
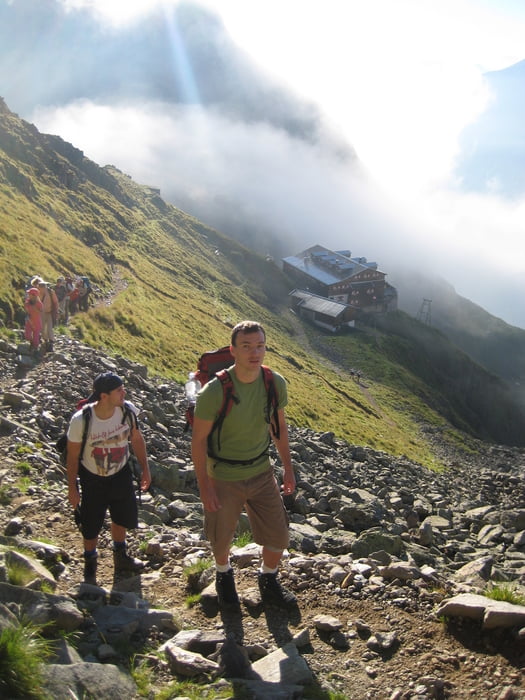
288, 486
145, 479
73, 496
209, 497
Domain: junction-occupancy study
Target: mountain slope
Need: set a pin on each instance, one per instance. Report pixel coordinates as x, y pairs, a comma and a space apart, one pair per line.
186, 285
494, 344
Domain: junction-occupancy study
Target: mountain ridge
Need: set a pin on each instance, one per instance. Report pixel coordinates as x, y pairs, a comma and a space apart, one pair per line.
186, 285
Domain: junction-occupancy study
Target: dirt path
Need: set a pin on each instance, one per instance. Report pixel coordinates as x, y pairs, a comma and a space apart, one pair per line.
119, 285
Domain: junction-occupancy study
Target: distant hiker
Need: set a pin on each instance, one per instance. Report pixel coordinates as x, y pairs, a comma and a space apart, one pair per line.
73, 295
49, 311
105, 474
33, 324
84, 289
233, 467
61, 292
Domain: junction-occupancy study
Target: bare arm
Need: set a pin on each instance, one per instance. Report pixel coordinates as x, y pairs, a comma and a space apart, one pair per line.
283, 448
139, 448
73, 455
199, 451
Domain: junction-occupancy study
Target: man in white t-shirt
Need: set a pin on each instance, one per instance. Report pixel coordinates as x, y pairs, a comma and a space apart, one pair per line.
104, 472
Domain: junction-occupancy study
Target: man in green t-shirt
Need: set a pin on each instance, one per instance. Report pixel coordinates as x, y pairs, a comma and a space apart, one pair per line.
234, 471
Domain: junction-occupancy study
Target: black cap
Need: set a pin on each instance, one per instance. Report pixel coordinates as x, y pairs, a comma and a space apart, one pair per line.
103, 384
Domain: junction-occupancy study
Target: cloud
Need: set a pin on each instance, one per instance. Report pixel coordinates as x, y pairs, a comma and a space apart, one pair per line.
203, 158
256, 161
257, 177
116, 13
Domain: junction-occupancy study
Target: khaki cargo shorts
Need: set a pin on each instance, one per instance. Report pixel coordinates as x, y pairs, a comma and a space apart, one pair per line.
264, 506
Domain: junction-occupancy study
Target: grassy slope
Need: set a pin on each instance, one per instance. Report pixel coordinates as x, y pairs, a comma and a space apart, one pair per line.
490, 341
187, 285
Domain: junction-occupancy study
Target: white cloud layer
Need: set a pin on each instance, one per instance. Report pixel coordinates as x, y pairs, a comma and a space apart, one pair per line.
294, 188
401, 80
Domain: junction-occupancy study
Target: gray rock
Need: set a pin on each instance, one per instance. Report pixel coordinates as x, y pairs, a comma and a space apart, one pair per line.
376, 539
477, 571
283, 666
188, 663
101, 681
493, 613
58, 612
32, 568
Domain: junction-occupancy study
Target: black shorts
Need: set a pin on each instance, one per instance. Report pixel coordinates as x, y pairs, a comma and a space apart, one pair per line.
102, 493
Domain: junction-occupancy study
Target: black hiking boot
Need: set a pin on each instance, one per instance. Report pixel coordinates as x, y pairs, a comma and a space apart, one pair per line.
225, 587
272, 593
124, 564
90, 570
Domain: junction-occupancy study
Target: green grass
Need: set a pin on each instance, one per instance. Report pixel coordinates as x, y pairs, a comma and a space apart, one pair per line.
24, 449
197, 568
316, 692
18, 575
505, 592
23, 484
24, 467
5, 498
193, 572
143, 676
45, 540
192, 600
194, 691
22, 653
147, 536
243, 539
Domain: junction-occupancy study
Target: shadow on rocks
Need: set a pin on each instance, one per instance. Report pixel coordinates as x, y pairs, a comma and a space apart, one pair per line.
231, 617
278, 619
127, 584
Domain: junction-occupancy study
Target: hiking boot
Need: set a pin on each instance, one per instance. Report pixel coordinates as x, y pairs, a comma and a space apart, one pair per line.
90, 570
272, 593
124, 563
225, 587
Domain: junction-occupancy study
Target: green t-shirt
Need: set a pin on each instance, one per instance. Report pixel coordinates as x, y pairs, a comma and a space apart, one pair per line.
245, 430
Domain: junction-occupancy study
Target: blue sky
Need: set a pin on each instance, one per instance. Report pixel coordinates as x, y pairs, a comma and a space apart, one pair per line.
399, 81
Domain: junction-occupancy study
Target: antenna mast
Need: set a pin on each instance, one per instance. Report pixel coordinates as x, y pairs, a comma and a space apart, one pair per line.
424, 314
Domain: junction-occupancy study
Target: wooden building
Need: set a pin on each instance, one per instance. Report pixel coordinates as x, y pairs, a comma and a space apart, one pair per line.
328, 314
339, 277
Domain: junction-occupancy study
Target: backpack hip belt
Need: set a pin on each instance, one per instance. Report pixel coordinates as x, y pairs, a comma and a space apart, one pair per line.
240, 462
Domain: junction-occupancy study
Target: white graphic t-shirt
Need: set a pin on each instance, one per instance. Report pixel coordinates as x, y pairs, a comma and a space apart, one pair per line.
107, 449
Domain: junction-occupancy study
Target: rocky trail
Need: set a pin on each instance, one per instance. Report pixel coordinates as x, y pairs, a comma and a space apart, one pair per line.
388, 560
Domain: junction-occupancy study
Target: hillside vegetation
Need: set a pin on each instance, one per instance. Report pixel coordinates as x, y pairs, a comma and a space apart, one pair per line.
187, 285
493, 343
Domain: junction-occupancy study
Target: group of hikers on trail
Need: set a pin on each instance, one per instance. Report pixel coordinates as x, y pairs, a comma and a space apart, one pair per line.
236, 416
47, 305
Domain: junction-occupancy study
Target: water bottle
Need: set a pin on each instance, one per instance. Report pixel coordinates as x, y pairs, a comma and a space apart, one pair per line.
191, 388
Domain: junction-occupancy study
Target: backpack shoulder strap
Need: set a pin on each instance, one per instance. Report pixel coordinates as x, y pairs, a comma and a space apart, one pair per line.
86, 419
129, 414
228, 399
272, 401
